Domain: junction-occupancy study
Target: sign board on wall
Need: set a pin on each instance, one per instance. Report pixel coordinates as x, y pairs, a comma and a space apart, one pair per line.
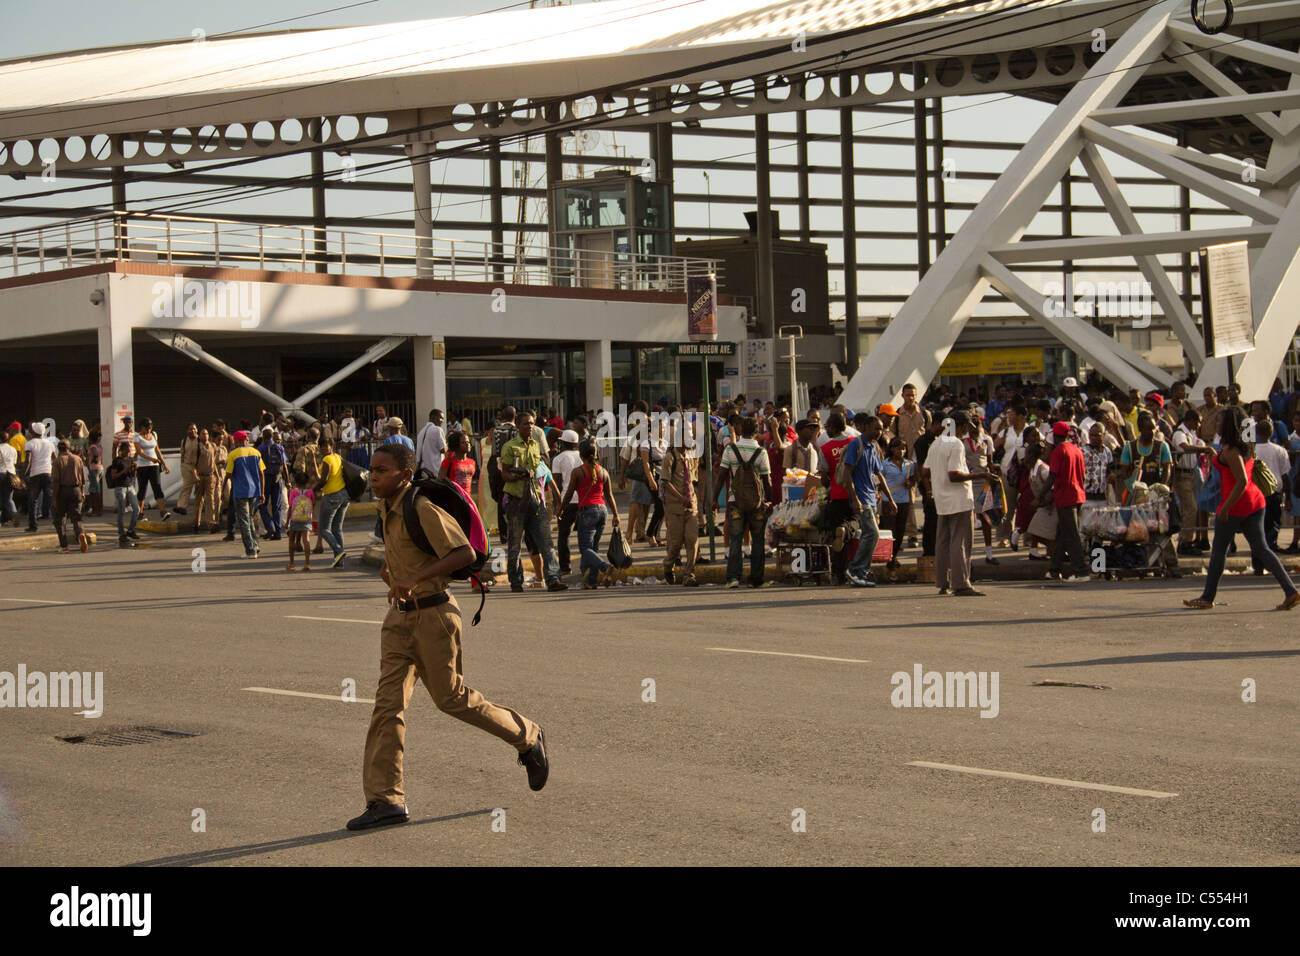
758, 357
1026, 360
106, 381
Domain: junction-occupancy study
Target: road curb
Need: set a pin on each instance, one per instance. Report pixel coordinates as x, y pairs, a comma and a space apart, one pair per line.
37, 542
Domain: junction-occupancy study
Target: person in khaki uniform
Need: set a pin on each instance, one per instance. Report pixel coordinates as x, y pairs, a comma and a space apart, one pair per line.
189, 455
677, 476
207, 477
421, 637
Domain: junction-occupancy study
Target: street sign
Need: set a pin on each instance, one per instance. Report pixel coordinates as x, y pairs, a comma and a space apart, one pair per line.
704, 349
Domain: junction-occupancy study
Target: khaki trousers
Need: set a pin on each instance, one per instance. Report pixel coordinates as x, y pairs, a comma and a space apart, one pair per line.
206, 498
426, 643
187, 486
952, 551
683, 531
1185, 488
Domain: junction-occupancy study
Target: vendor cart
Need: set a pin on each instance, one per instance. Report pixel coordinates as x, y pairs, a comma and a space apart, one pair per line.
1135, 541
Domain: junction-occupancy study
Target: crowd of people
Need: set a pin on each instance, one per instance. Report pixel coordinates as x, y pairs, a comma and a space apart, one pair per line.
1016, 464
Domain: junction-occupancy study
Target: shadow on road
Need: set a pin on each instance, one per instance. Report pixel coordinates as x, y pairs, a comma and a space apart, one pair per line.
225, 854
1175, 657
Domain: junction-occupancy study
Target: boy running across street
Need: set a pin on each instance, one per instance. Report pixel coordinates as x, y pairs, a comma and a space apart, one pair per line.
421, 637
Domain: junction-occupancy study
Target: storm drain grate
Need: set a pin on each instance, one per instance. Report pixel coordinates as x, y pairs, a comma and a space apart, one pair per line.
125, 737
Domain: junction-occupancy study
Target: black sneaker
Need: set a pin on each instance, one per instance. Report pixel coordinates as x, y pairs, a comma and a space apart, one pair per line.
968, 592
229, 537
517, 588
690, 581
181, 511
669, 577
133, 536
556, 585
379, 813
537, 763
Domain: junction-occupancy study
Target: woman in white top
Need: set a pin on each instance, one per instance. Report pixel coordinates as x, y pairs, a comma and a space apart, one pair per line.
148, 461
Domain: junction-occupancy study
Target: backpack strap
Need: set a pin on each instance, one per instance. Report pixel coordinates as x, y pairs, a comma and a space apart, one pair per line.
412, 522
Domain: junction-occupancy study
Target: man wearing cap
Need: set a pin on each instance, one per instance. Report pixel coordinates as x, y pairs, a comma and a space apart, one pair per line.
888, 416
17, 441
393, 432
1155, 403
1064, 491
1069, 390
247, 487
561, 467
954, 503
431, 443
40, 462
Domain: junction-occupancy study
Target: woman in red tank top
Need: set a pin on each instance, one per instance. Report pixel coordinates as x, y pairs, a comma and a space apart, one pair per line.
590, 482
1241, 511
457, 466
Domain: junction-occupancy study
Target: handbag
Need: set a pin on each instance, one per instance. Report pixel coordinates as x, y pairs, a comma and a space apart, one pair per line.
619, 554
635, 470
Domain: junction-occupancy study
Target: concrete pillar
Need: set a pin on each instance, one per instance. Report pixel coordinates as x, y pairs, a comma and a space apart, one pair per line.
801, 160
430, 368
599, 366
115, 352
320, 243
423, 216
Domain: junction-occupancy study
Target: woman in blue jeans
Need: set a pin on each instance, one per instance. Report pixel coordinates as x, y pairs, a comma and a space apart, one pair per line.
1242, 510
590, 482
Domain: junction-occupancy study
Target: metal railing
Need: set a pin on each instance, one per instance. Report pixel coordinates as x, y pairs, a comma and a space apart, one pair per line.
187, 240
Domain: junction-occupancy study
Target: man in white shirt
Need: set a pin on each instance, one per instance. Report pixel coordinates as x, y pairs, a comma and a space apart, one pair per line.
954, 502
562, 466
1187, 447
1275, 456
430, 443
40, 458
8, 469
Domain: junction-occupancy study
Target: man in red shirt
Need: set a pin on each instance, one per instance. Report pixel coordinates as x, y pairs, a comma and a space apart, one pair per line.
1065, 491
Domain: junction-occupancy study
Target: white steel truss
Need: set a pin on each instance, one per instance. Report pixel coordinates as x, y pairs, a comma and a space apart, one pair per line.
1084, 126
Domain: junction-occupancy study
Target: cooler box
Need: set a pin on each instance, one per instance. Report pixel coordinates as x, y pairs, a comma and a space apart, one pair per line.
884, 548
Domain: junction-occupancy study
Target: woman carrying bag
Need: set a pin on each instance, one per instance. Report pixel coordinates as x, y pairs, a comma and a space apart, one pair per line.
1242, 510
590, 482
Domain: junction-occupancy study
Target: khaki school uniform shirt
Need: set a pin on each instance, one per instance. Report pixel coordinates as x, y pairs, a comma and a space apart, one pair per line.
403, 557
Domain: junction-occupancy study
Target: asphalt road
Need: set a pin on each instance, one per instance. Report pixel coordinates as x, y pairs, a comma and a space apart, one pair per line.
739, 737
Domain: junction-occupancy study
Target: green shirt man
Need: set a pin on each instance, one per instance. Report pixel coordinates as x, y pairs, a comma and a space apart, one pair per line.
525, 456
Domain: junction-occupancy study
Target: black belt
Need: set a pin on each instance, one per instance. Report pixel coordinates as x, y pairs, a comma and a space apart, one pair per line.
429, 600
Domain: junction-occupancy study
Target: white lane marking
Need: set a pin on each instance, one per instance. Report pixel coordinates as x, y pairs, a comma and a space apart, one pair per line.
298, 693
1058, 781
340, 620
815, 657
32, 601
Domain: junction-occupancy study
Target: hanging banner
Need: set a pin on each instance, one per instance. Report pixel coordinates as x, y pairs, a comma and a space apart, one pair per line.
702, 307
1229, 322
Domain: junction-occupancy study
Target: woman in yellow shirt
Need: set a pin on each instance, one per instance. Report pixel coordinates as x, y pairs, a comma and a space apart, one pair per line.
334, 502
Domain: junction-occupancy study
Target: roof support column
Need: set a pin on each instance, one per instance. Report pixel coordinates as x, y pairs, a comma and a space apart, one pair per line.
848, 204
423, 216
766, 305
498, 227
922, 190
940, 200
320, 242
801, 176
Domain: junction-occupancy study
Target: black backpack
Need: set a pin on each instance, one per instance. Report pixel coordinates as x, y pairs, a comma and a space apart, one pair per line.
451, 498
